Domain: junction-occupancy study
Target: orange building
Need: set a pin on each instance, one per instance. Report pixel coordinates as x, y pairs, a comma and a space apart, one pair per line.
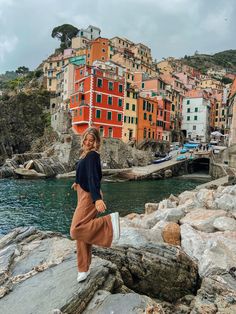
98, 100
150, 119
98, 49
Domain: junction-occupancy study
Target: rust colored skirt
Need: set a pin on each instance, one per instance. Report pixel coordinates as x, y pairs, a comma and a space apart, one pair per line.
88, 229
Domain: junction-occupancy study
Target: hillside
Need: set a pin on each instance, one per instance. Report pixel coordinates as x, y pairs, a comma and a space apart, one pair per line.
225, 59
22, 120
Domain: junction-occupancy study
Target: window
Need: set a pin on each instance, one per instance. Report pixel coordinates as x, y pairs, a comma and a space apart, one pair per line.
99, 82
144, 104
129, 119
150, 117
128, 94
132, 120
195, 118
196, 109
99, 98
109, 100
144, 133
110, 85
124, 119
127, 106
194, 127
80, 112
188, 118
119, 117
173, 107
145, 116
188, 102
188, 109
133, 107
72, 99
136, 120
120, 88
120, 102
98, 114
142, 85
109, 116
103, 50
110, 132
50, 82
77, 97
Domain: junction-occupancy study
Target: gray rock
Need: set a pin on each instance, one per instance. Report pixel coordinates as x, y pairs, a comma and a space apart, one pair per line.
202, 219
170, 214
224, 224
38, 275
130, 303
158, 270
226, 202
216, 295
150, 208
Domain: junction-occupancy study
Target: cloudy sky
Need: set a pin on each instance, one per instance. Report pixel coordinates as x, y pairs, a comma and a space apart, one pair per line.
168, 27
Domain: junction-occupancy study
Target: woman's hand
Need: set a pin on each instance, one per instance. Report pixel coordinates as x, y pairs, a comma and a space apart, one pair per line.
100, 206
74, 186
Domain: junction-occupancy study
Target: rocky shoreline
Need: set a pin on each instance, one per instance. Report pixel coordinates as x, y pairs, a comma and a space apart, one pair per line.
177, 257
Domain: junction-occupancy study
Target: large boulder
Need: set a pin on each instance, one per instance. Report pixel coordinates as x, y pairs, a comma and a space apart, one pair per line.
158, 270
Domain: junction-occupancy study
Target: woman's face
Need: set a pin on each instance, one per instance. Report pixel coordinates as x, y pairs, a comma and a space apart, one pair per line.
89, 142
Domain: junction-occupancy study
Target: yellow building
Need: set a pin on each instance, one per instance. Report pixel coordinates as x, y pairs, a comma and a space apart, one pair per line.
130, 109
135, 57
165, 67
211, 83
53, 66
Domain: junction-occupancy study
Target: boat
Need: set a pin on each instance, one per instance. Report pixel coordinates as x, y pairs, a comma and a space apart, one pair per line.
160, 160
181, 157
183, 150
191, 145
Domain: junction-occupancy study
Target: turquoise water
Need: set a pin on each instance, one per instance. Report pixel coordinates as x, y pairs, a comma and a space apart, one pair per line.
49, 204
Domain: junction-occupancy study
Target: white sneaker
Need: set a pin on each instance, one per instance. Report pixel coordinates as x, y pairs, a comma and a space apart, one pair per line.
82, 275
115, 226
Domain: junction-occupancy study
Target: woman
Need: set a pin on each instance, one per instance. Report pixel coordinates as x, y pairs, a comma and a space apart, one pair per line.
86, 228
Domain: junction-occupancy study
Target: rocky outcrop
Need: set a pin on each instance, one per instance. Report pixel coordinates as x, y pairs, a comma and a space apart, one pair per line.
32, 166
61, 157
206, 220
141, 272
38, 274
155, 269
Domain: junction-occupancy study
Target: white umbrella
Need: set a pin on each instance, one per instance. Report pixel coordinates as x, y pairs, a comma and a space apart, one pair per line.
217, 133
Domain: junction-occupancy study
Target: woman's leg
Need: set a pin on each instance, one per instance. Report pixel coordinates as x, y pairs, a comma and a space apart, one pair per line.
83, 255
88, 230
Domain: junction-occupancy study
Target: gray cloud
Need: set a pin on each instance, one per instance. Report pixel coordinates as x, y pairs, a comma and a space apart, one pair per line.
169, 27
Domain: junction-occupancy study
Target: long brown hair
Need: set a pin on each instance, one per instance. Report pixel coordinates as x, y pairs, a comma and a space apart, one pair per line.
96, 135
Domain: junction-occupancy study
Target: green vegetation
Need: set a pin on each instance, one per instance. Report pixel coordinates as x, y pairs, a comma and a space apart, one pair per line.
16, 80
203, 62
64, 33
23, 119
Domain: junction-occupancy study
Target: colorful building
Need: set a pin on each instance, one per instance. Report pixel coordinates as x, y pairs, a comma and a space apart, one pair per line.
98, 99
150, 118
196, 115
130, 109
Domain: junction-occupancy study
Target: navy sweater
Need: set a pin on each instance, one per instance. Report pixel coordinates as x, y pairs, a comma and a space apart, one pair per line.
89, 174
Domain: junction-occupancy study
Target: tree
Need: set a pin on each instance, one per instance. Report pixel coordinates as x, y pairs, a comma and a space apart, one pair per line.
64, 33
226, 80
22, 70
